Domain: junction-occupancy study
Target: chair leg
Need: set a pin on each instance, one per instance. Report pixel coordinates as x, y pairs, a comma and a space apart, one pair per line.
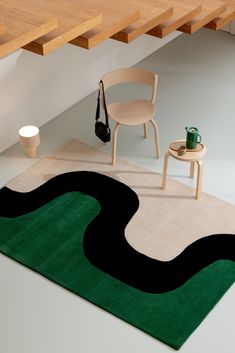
114, 146
145, 130
155, 129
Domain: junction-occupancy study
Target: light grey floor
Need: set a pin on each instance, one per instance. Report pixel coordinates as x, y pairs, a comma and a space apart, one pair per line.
196, 87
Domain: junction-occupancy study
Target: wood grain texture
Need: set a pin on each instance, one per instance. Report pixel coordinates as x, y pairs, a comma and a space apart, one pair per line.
224, 18
192, 157
117, 14
2, 28
42, 26
151, 15
183, 12
73, 20
21, 27
210, 9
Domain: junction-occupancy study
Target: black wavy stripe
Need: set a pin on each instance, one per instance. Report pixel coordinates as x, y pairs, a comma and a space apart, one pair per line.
104, 242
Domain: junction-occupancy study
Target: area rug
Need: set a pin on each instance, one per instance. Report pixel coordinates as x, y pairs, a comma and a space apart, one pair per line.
158, 260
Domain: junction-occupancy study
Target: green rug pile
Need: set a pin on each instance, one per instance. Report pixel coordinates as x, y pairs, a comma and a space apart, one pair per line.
49, 241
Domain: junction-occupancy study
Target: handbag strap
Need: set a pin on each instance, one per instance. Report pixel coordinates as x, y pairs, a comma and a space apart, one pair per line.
97, 116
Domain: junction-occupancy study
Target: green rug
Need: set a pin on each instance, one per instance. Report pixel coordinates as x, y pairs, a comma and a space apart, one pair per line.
49, 240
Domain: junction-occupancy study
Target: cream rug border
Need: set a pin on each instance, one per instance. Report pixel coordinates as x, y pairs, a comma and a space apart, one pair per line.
166, 222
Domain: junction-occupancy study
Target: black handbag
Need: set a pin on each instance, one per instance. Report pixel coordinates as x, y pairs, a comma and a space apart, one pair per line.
102, 130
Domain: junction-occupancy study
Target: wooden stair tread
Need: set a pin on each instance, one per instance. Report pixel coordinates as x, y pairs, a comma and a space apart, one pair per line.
21, 27
183, 12
73, 20
2, 28
117, 14
223, 18
151, 15
210, 10
44, 25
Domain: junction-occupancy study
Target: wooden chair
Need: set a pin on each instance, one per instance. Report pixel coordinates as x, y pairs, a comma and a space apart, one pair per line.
132, 112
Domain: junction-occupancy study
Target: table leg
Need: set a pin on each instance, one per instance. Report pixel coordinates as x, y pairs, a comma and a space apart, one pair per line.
165, 170
192, 167
199, 179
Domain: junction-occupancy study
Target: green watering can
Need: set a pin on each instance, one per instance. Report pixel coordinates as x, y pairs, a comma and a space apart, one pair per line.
193, 137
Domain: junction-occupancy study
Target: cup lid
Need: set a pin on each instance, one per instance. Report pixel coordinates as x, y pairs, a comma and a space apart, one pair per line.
192, 129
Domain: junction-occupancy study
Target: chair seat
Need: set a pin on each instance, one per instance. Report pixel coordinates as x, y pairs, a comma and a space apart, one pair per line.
133, 112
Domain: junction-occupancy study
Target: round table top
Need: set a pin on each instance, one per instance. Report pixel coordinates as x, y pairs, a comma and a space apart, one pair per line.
189, 156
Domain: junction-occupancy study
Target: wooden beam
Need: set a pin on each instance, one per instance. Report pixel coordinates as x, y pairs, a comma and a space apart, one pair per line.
151, 15
224, 18
72, 21
21, 27
183, 11
117, 14
210, 10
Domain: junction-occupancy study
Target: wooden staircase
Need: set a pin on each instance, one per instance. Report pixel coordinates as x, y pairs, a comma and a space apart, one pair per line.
42, 26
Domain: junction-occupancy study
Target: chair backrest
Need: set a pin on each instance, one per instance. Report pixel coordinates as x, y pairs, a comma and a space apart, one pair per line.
133, 74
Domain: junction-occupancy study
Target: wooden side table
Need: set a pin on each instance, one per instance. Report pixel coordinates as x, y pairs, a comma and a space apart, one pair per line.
192, 156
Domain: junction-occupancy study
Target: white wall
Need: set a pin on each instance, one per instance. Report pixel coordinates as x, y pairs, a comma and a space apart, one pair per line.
230, 27
35, 89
